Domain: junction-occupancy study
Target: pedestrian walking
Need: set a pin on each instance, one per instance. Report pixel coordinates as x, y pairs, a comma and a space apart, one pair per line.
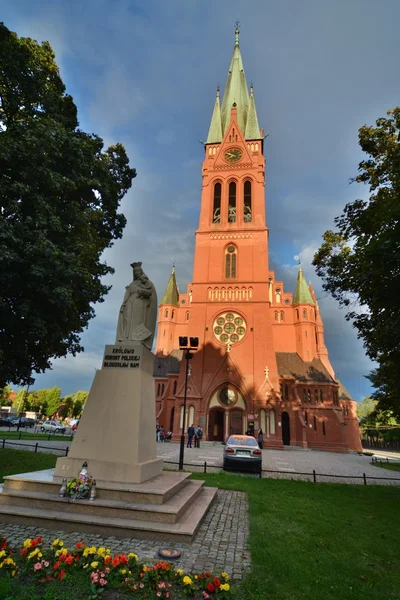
197, 436
191, 433
260, 438
158, 433
162, 434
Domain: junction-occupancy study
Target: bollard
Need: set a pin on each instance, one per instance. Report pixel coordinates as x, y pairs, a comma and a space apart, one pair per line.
36, 446
205, 466
66, 451
314, 476
365, 479
4, 442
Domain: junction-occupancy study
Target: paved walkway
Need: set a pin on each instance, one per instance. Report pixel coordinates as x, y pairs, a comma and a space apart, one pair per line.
219, 545
284, 464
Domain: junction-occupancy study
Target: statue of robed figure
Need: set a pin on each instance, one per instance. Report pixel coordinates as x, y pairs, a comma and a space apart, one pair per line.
138, 313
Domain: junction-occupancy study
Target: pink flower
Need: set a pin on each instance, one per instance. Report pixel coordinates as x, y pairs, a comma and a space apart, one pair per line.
158, 594
46, 564
103, 581
205, 595
107, 570
37, 566
141, 585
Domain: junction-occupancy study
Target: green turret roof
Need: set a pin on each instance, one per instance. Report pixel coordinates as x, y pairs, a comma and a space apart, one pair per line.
252, 129
215, 131
171, 294
302, 294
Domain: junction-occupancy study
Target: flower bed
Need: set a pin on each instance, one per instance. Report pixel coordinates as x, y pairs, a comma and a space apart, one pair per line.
122, 572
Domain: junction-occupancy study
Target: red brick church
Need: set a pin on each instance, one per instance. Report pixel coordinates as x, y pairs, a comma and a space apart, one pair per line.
262, 359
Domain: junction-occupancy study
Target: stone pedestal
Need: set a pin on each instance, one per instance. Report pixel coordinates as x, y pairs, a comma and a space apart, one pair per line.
116, 434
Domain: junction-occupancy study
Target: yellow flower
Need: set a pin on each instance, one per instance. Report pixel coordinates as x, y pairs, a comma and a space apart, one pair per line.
61, 543
2, 553
179, 571
145, 568
132, 555
56, 542
108, 551
64, 552
225, 576
224, 586
196, 576
94, 564
187, 581
93, 550
27, 543
86, 552
123, 572
13, 573
85, 566
58, 552
101, 551
33, 553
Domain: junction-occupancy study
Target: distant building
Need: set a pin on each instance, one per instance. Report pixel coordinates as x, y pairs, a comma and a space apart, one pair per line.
262, 360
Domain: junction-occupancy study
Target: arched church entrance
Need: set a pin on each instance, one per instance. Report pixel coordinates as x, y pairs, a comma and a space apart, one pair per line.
226, 413
216, 425
285, 429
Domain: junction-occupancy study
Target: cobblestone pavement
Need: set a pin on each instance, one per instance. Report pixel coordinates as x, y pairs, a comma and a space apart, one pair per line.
219, 545
284, 464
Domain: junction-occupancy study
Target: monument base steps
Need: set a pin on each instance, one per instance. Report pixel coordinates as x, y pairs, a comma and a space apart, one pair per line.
169, 507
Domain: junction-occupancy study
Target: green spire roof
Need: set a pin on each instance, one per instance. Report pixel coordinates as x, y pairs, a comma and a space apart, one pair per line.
171, 294
215, 131
252, 129
235, 90
302, 294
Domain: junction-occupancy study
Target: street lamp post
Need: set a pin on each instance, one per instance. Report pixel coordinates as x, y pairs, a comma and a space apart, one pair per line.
189, 349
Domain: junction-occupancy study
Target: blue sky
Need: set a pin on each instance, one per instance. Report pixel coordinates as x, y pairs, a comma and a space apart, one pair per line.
144, 73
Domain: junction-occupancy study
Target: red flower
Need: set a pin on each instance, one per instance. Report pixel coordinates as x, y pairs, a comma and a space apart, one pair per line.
207, 574
79, 545
23, 552
56, 565
4, 546
38, 540
107, 559
211, 587
217, 582
61, 574
69, 559
33, 543
115, 561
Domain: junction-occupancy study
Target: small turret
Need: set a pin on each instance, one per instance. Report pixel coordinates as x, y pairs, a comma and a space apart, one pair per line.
215, 131
302, 294
252, 128
171, 294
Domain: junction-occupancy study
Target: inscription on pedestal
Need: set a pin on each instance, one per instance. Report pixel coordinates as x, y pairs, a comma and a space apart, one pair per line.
122, 356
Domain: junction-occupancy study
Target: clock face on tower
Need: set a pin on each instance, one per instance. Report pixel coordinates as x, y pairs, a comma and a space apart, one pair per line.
233, 154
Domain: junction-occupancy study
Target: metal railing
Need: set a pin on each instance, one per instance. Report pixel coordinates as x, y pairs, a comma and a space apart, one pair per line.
4, 443
207, 468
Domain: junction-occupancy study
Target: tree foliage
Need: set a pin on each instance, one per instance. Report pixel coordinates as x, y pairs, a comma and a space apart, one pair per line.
60, 193
360, 261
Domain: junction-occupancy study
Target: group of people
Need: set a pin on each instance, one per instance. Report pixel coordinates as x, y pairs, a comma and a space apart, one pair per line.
161, 436
196, 433
260, 436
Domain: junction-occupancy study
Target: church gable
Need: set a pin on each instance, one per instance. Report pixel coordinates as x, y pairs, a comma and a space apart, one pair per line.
233, 150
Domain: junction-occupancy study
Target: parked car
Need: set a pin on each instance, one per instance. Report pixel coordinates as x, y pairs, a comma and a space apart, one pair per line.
74, 427
53, 426
25, 422
5, 422
241, 453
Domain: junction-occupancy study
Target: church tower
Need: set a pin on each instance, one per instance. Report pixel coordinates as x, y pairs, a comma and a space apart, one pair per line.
262, 355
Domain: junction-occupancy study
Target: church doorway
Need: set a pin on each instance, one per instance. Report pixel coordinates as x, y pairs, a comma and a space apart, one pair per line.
236, 422
216, 425
285, 429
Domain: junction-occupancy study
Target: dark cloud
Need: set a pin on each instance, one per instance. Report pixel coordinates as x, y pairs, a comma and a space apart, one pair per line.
145, 73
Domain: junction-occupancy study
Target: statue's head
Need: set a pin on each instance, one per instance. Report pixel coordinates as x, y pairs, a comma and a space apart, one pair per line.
137, 269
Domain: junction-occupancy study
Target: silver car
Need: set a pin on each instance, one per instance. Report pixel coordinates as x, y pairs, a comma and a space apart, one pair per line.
53, 426
242, 453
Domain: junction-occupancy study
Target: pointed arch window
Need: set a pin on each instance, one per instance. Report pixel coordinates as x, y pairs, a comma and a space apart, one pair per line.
166, 312
187, 315
247, 214
321, 396
315, 424
309, 395
282, 316
232, 203
316, 395
286, 392
217, 203
172, 314
230, 261
175, 386
272, 422
323, 428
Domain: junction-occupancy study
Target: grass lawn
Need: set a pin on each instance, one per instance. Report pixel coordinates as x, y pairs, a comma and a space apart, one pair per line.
319, 541
308, 541
22, 461
392, 466
15, 435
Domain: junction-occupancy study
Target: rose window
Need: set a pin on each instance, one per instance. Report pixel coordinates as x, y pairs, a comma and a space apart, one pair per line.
229, 327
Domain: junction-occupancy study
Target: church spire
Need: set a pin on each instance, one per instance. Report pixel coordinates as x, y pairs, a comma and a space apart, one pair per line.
171, 294
252, 129
302, 294
235, 90
215, 131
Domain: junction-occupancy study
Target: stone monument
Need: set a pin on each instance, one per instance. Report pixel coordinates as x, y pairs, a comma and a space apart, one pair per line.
116, 433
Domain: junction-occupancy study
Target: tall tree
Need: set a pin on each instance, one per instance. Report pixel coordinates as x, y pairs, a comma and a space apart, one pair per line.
53, 401
360, 261
60, 193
